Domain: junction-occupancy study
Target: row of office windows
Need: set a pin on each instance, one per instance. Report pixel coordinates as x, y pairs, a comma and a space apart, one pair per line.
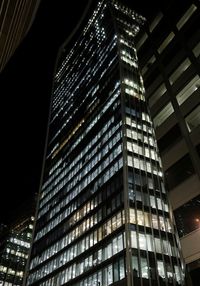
109, 249
140, 127
116, 271
87, 242
17, 252
74, 82
140, 150
73, 163
78, 215
141, 179
153, 244
60, 231
146, 219
103, 277
11, 271
105, 177
8, 283
132, 133
136, 217
165, 270
108, 192
105, 133
148, 200
139, 136
95, 101
86, 224
115, 245
58, 170
141, 164
84, 166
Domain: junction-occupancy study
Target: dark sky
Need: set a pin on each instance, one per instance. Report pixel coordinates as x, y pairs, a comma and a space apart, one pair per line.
25, 86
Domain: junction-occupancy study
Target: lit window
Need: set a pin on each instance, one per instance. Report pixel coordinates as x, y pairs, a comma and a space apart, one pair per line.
178, 72
144, 268
163, 114
157, 94
186, 17
188, 90
161, 270
155, 22
166, 42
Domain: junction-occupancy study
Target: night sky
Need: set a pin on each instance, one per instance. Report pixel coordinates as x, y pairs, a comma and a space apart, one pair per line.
26, 84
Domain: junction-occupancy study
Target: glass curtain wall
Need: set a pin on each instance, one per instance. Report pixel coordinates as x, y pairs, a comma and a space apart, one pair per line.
103, 215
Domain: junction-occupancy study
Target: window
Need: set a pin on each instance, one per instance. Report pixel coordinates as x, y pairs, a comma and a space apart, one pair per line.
196, 50
116, 271
157, 94
193, 119
188, 216
133, 239
179, 172
142, 241
158, 245
166, 42
188, 90
179, 71
121, 269
163, 114
135, 266
161, 270
170, 138
148, 64
186, 17
155, 22
144, 268
110, 276
141, 41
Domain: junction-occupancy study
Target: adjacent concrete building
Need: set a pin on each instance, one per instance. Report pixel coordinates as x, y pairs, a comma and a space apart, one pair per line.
169, 57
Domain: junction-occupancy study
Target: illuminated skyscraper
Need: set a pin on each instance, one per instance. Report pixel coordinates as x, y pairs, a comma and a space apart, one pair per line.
14, 249
103, 216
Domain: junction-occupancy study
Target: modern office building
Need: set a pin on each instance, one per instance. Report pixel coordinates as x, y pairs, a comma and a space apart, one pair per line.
169, 56
16, 18
103, 216
14, 249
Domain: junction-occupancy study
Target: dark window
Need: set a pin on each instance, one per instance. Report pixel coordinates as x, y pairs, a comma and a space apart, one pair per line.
152, 75
194, 271
198, 149
179, 172
188, 216
169, 139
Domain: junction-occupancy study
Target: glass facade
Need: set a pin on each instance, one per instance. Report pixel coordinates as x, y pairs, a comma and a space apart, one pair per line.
103, 215
14, 250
